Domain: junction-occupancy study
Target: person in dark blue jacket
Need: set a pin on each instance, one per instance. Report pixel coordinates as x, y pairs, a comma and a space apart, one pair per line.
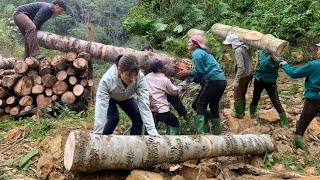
311, 108
212, 79
30, 17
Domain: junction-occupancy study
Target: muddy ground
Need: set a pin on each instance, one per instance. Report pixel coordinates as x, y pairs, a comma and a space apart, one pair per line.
48, 163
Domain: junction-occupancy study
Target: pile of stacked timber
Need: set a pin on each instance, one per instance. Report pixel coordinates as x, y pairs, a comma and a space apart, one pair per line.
31, 84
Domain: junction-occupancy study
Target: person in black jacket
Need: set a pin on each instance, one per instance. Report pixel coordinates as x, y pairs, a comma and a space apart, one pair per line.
30, 17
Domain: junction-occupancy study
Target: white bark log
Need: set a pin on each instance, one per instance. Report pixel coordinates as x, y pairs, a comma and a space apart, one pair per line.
90, 152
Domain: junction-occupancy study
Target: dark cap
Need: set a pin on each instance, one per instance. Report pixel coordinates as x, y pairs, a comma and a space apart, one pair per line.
157, 62
61, 3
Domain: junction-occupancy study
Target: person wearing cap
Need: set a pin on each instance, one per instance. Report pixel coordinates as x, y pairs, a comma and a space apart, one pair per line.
117, 87
311, 107
213, 82
244, 73
30, 17
159, 87
265, 77
175, 101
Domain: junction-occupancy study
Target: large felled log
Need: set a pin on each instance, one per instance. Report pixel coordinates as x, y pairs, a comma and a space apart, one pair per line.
21, 67
24, 86
90, 152
7, 63
10, 80
107, 53
253, 38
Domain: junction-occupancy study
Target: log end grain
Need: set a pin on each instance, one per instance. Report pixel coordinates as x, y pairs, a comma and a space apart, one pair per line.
69, 151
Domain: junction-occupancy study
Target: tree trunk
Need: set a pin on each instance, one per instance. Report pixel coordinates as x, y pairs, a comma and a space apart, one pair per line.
107, 53
45, 67
10, 80
24, 86
61, 75
43, 101
78, 90
7, 63
48, 80
21, 67
253, 38
90, 152
59, 63
68, 98
31, 62
26, 101
192, 32
37, 89
59, 87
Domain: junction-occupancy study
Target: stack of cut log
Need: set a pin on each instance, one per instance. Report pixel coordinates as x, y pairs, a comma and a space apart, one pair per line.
32, 84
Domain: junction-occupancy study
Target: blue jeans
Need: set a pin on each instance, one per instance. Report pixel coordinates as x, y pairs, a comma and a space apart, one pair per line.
130, 107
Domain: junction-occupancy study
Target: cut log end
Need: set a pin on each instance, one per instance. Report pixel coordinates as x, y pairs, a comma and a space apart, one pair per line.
69, 151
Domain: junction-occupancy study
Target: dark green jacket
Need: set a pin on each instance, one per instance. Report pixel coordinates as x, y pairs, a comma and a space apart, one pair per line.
267, 69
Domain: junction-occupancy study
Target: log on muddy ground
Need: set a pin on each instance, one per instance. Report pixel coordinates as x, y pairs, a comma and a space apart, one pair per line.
89, 152
253, 38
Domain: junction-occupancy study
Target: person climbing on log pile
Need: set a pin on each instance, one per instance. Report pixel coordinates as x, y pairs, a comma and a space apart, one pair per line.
30, 17
175, 101
244, 73
116, 87
212, 79
265, 77
159, 87
311, 108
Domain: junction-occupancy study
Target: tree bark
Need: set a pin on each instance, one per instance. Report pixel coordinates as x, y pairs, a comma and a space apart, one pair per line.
90, 152
26, 101
61, 75
24, 86
48, 80
253, 38
104, 52
21, 67
7, 63
68, 98
59, 87
31, 62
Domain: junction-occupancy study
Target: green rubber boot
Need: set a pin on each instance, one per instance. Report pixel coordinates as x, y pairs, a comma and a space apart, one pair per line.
174, 131
284, 120
199, 123
238, 110
252, 110
216, 126
298, 142
207, 117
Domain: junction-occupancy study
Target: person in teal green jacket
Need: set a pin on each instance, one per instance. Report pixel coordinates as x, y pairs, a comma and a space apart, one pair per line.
311, 108
212, 79
265, 77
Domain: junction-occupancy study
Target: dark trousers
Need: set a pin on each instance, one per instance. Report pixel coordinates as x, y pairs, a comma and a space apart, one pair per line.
168, 118
241, 91
211, 94
272, 91
130, 107
311, 108
29, 31
175, 101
